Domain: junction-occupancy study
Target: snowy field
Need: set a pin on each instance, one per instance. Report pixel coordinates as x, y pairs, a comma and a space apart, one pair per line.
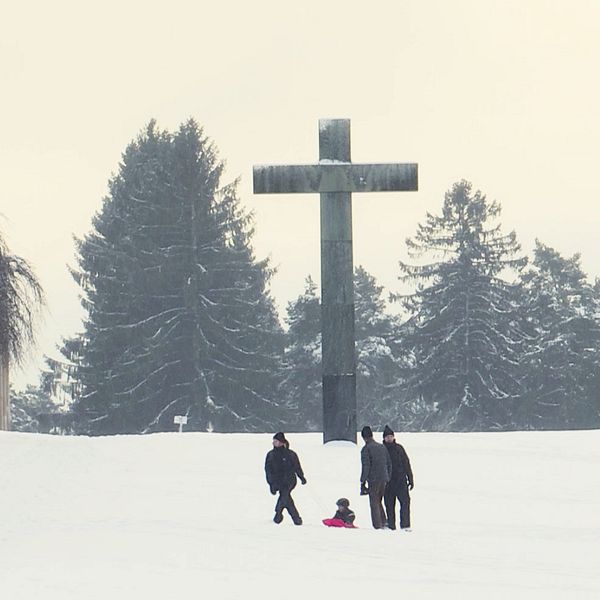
514, 515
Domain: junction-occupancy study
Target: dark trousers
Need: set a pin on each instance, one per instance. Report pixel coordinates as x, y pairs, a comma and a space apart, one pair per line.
285, 501
397, 490
376, 491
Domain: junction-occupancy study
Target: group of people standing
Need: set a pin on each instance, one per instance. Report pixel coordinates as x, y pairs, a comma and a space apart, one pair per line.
386, 476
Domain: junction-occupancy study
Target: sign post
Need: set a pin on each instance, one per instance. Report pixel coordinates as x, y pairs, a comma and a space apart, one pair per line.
180, 420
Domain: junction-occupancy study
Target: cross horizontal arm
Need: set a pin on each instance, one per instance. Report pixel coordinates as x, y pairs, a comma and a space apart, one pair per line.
335, 177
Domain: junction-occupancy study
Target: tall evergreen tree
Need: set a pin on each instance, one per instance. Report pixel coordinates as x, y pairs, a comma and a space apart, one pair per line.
180, 321
378, 395
560, 369
302, 383
378, 359
463, 333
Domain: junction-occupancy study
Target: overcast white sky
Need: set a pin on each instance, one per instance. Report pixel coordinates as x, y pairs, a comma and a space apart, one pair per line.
502, 93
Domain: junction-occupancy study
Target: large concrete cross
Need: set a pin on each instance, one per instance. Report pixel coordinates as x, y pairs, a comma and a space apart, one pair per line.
335, 178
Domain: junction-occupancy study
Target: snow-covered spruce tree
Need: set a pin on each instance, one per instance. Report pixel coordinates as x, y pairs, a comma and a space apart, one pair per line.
302, 383
377, 391
179, 320
464, 333
379, 395
560, 369
29, 407
593, 375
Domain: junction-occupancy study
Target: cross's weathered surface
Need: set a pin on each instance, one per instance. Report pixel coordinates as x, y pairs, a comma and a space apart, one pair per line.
335, 178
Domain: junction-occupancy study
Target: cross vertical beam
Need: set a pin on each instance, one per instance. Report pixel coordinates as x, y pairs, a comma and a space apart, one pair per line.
337, 293
335, 178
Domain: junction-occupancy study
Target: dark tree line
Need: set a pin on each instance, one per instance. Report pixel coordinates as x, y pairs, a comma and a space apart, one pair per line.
180, 320
495, 344
560, 370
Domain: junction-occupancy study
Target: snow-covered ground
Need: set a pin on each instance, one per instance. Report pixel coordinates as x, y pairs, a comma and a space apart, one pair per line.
514, 515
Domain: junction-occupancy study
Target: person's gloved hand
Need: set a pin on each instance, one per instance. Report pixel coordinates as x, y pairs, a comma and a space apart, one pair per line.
363, 489
303, 480
411, 485
273, 489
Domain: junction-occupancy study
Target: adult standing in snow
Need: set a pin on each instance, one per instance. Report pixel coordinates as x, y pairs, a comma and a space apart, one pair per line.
282, 466
399, 485
376, 472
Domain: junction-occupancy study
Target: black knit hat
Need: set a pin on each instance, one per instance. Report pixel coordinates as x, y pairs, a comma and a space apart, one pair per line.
387, 431
280, 436
343, 502
366, 432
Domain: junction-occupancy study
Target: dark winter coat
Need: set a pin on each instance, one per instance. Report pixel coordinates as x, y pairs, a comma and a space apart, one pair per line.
282, 465
347, 516
376, 463
401, 469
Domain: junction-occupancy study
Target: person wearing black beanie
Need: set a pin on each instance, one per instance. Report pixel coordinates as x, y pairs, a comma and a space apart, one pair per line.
400, 483
280, 437
282, 466
366, 432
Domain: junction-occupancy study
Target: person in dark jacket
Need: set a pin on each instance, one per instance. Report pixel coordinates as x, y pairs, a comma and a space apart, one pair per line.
399, 485
282, 466
376, 472
344, 515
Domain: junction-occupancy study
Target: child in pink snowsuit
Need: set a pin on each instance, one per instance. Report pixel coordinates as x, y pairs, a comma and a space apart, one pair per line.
344, 516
